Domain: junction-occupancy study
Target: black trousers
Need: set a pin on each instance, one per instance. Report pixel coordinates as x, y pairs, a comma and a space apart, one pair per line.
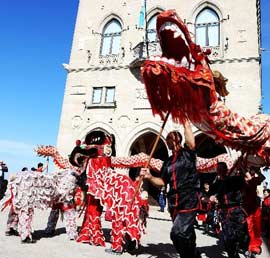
234, 231
183, 234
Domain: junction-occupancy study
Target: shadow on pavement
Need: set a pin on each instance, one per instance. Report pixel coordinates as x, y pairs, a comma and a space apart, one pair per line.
207, 232
155, 218
213, 251
38, 234
159, 250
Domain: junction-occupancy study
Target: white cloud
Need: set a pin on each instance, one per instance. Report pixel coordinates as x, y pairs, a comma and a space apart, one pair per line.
17, 154
16, 148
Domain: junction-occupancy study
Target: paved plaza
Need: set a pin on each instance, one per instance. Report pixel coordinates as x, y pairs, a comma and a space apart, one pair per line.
155, 243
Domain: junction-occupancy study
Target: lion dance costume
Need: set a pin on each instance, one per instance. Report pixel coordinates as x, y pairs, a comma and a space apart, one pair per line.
108, 188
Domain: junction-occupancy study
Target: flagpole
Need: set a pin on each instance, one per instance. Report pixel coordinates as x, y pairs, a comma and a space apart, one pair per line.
47, 169
146, 32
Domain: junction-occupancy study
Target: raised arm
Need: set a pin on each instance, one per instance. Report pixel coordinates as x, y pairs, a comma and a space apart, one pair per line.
189, 136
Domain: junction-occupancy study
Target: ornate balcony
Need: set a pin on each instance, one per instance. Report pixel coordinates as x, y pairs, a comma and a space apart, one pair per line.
216, 52
142, 50
140, 53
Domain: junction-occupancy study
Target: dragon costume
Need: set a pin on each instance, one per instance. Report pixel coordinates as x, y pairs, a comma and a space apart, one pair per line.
108, 188
58, 159
29, 190
62, 163
204, 165
182, 83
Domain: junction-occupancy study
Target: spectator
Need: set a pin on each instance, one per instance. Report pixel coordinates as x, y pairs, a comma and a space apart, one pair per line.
3, 187
265, 185
205, 204
266, 213
162, 199
41, 168
252, 205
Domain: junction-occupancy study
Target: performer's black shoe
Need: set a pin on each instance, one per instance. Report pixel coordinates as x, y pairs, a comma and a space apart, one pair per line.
197, 254
11, 232
130, 246
114, 252
28, 240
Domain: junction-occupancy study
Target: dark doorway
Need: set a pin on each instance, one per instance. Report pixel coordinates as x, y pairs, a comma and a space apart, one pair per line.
144, 143
207, 148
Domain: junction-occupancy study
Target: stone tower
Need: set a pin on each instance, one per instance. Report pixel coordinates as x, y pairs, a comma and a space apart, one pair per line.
104, 89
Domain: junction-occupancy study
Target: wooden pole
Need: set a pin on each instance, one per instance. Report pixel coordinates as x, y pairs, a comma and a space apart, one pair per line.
151, 154
157, 140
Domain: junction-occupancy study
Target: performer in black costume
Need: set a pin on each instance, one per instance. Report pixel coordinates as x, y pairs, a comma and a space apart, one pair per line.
179, 172
227, 192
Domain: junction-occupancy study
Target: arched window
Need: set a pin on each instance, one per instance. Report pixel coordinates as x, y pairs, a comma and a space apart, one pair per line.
151, 29
207, 28
111, 38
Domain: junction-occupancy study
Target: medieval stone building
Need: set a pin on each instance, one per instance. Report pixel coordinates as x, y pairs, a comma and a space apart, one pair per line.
104, 89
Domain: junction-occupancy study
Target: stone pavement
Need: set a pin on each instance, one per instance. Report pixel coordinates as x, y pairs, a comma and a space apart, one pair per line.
155, 244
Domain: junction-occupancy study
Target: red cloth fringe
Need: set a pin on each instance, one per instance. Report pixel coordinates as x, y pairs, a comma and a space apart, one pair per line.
176, 91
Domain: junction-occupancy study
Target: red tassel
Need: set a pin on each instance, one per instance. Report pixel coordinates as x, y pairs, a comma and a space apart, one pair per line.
176, 91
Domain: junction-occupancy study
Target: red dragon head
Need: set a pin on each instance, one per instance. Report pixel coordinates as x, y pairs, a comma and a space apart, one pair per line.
180, 81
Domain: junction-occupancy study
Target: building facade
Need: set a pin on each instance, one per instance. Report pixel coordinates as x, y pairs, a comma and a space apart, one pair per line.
104, 89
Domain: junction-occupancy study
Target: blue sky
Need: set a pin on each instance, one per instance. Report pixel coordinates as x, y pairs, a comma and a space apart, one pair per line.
36, 38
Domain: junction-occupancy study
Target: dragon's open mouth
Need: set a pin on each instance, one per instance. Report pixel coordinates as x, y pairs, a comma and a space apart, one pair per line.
79, 159
175, 41
79, 155
181, 76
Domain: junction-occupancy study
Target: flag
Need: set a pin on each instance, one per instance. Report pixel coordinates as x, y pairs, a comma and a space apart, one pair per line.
142, 15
